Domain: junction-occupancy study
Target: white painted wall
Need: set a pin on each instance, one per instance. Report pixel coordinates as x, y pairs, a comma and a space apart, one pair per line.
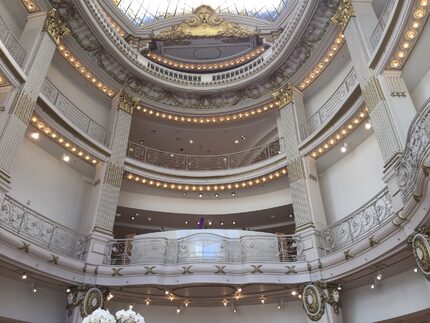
18, 302
84, 95
292, 313
399, 295
205, 206
352, 181
14, 15
55, 189
421, 92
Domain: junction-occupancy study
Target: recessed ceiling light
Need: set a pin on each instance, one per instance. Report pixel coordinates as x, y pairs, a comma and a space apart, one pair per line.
184, 194
291, 215
233, 193
344, 147
137, 214
234, 222
118, 214
35, 135
236, 141
132, 217
200, 194
172, 155
221, 223
66, 158
186, 222
210, 223
24, 276
216, 195
141, 141
273, 216
191, 141
149, 219
368, 125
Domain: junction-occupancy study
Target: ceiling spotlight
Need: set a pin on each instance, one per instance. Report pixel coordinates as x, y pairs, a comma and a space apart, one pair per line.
147, 301
233, 194
368, 125
149, 219
216, 195
236, 141
234, 222
191, 141
379, 276
24, 276
415, 270
344, 147
178, 310
133, 218
109, 297
35, 135
34, 290
184, 194
66, 158
239, 290
372, 286
68, 290
294, 293
225, 302
221, 223
186, 222
187, 302
339, 287
200, 194
166, 292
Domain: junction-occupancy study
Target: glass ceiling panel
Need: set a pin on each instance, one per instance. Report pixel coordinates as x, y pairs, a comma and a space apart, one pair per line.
147, 11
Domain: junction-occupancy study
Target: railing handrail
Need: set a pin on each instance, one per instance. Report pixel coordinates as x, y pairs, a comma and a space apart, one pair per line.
280, 140
103, 141
304, 127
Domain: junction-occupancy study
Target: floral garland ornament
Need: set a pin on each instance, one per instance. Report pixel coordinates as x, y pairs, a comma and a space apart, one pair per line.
100, 316
421, 249
129, 316
313, 302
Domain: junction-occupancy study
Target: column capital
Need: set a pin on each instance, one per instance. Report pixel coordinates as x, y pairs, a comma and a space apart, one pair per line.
55, 27
284, 96
127, 102
343, 13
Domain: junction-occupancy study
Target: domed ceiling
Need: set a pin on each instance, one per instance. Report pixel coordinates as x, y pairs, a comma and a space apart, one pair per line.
147, 11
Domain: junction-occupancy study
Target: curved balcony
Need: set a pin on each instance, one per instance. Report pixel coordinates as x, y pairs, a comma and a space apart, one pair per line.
204, 246
12, 44
34, 227
205, 162
324, 114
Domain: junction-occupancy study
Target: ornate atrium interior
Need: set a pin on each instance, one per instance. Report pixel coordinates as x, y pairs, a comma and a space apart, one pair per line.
214, 161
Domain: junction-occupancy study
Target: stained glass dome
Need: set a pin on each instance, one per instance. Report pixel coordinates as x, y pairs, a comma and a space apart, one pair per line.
147, 11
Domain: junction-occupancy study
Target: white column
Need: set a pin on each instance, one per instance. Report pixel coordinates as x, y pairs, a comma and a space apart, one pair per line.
107, 184
367, 21
379, 111
25, 100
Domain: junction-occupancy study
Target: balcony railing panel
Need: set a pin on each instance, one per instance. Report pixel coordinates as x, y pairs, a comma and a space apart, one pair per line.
204, 248
383, 21
331, 106
35, 228
358, 225
201, 162
74, 114
12, 44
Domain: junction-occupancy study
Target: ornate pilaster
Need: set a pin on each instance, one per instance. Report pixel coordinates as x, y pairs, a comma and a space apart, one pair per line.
24, 104
379, 111
306, 197
111, 172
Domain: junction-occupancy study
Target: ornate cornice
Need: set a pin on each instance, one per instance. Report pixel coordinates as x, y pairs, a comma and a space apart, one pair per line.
344, 12
55, 27
283, 96
205, 24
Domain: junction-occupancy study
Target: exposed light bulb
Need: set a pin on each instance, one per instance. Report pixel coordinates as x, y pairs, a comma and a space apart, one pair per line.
225, 302
66, 158
379, 276
368, 125
178, 310
415, 270
294, 293
344, 148
339, 287
68, 290
34, 290
131, 307
372, 286
24, 276
166, 292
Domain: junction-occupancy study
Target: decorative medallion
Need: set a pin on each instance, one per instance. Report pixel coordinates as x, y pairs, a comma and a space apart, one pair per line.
421, 250
205, 24
313, 302
93, 300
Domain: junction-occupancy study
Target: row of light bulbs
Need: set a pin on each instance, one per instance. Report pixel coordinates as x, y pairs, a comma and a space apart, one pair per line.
31, 5
205, 67
323, 63
52, 134
415, 24
212, 187
84, 71
353, 123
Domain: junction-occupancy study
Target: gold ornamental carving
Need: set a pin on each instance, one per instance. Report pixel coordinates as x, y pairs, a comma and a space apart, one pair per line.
421, 249
284, 96
343, 13
205, 24
127, 102
55, 27
313, 301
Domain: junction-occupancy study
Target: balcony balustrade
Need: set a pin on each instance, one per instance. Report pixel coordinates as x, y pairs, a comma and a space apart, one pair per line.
12, 44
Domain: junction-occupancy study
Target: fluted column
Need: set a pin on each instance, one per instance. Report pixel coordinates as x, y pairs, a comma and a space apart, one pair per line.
305, 192
379, 110
25, 100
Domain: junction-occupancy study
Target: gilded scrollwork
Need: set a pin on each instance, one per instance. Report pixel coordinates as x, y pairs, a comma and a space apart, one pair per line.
55, 27
344, 12
204, 23
283, 96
